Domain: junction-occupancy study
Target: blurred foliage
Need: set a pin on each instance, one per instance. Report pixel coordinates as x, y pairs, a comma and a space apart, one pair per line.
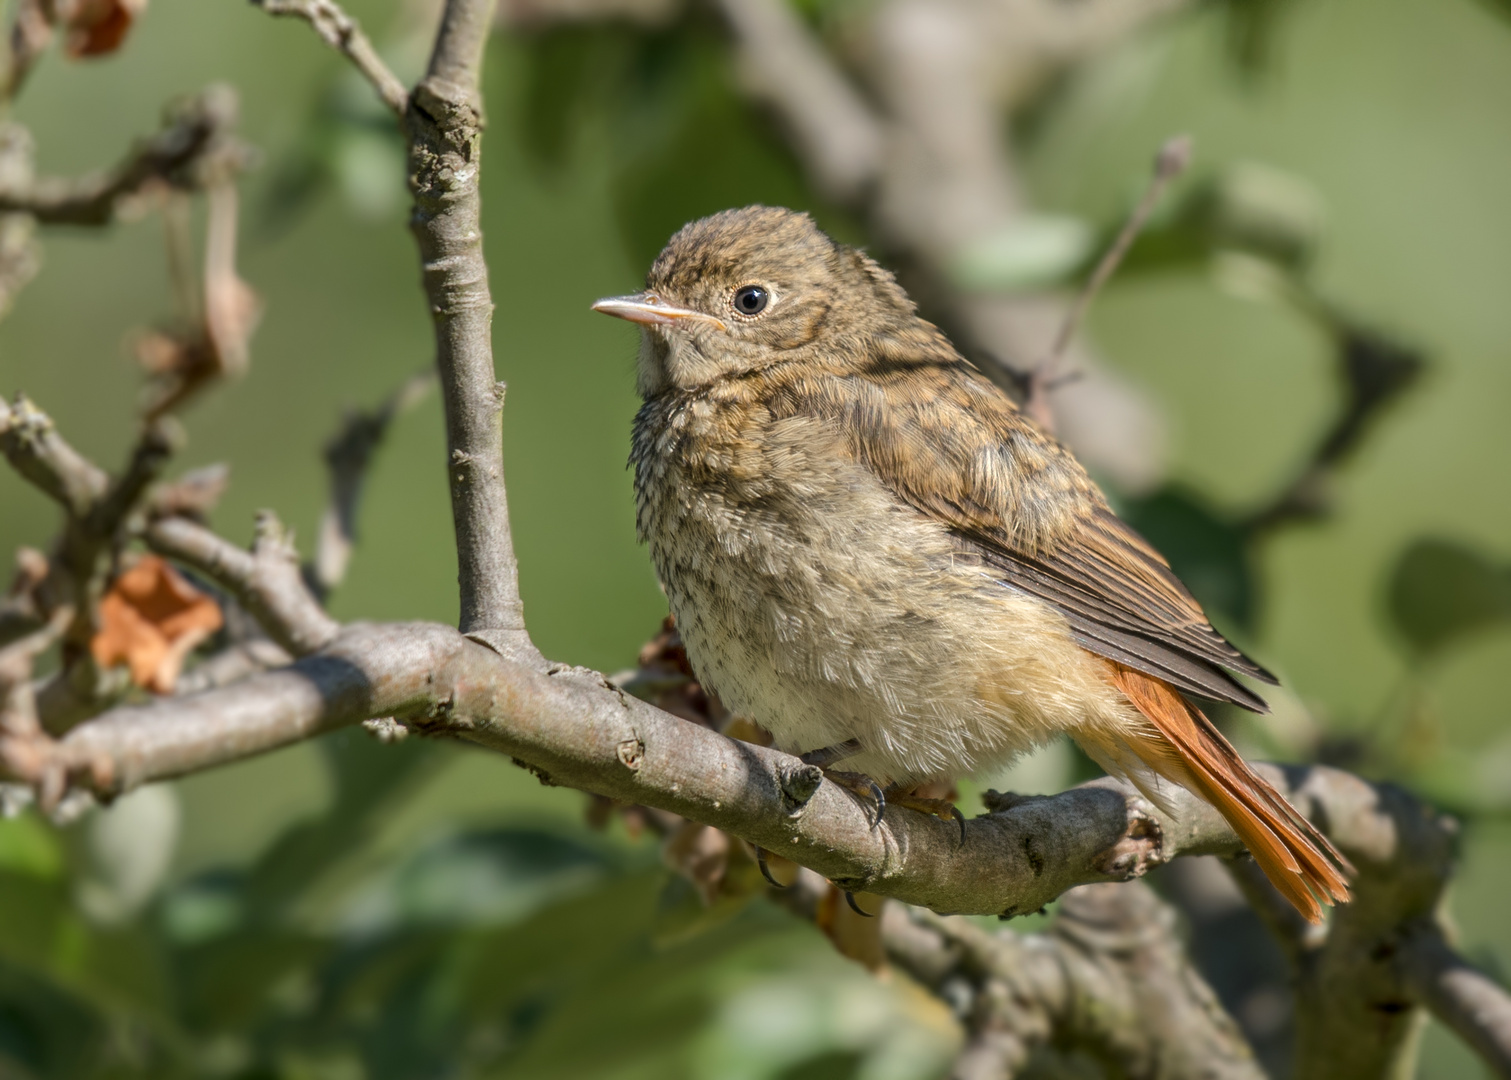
1442, 591
354, 909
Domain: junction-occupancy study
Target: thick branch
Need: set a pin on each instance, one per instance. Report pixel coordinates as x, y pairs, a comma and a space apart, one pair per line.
167, 157
581, 732
1355, 1008
445, 133
341, 32
1109, 977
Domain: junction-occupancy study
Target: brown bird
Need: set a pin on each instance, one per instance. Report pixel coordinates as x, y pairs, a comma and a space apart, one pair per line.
874, 554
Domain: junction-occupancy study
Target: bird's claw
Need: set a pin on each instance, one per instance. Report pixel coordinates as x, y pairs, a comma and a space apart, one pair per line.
850, 899
766, 870
943, 809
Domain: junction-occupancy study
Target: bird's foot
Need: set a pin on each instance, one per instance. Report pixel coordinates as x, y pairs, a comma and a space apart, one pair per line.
826, 756
861, 785
766, 870
943, 809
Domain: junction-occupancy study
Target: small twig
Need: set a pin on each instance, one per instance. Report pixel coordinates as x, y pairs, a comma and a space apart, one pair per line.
783, 64
232, 664
30, 440
1169, 163
348, 456
1465, 1000
31, 33
193, 131
18, 703
341, 32
266, 580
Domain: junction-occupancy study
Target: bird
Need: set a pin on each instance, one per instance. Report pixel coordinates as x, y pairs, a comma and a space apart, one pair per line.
872, 552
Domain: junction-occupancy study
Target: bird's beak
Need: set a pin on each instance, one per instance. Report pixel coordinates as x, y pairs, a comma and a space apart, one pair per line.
648, 309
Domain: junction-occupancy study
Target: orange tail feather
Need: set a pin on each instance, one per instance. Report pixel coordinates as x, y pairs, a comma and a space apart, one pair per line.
1188, 750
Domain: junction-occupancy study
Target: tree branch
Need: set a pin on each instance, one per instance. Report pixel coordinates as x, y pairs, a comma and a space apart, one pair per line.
573, 727
834, 131
1468, 1002
1110, 977
445, 133
341, 32
266, 580
194, 129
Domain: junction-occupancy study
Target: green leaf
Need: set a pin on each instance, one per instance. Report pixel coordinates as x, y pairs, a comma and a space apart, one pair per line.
28, 846
1441, 591
1035, 251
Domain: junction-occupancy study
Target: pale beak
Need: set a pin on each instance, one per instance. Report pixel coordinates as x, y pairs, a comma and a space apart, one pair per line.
648, 309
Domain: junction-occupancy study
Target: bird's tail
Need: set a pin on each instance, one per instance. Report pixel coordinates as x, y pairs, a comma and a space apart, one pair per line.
1185, 748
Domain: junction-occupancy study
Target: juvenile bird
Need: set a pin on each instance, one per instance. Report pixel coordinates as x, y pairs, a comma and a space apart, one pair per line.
874, 554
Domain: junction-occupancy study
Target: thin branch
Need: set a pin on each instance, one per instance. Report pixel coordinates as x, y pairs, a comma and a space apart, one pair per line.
341, 32
1469, 1003
30, 441
1170, 162
18, 704
347, 456
193, 131
266, 580
782, 64
232, 664
445, 132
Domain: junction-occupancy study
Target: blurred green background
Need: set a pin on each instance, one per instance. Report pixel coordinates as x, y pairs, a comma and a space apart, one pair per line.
350, 909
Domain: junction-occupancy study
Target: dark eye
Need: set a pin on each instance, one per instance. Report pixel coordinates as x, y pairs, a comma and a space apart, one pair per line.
751, 299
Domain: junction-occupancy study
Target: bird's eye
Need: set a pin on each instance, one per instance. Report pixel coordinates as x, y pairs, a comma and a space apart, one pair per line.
751, 299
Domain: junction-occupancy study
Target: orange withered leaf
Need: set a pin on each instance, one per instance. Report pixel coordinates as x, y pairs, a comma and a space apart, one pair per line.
97, 27
150, 620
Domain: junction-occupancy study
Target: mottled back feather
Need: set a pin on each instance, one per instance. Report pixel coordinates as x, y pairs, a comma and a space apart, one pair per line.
952, 445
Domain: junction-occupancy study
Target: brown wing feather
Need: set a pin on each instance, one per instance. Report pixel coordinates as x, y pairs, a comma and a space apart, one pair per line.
952, 445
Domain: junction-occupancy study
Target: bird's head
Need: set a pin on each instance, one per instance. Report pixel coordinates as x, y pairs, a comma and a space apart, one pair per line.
746, 289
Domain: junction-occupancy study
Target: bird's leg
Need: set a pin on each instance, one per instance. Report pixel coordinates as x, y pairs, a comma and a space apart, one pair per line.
918, 798
826, 756
862, 785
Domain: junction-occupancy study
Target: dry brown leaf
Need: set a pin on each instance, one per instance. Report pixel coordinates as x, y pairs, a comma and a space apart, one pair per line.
701, 855
97, 27
150, 620
855, 936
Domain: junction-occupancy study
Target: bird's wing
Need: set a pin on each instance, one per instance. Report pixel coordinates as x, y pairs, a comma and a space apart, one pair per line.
953, 446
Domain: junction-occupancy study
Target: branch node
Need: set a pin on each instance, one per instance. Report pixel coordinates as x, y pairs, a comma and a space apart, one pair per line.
631, 753
799, 782
1142, 847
